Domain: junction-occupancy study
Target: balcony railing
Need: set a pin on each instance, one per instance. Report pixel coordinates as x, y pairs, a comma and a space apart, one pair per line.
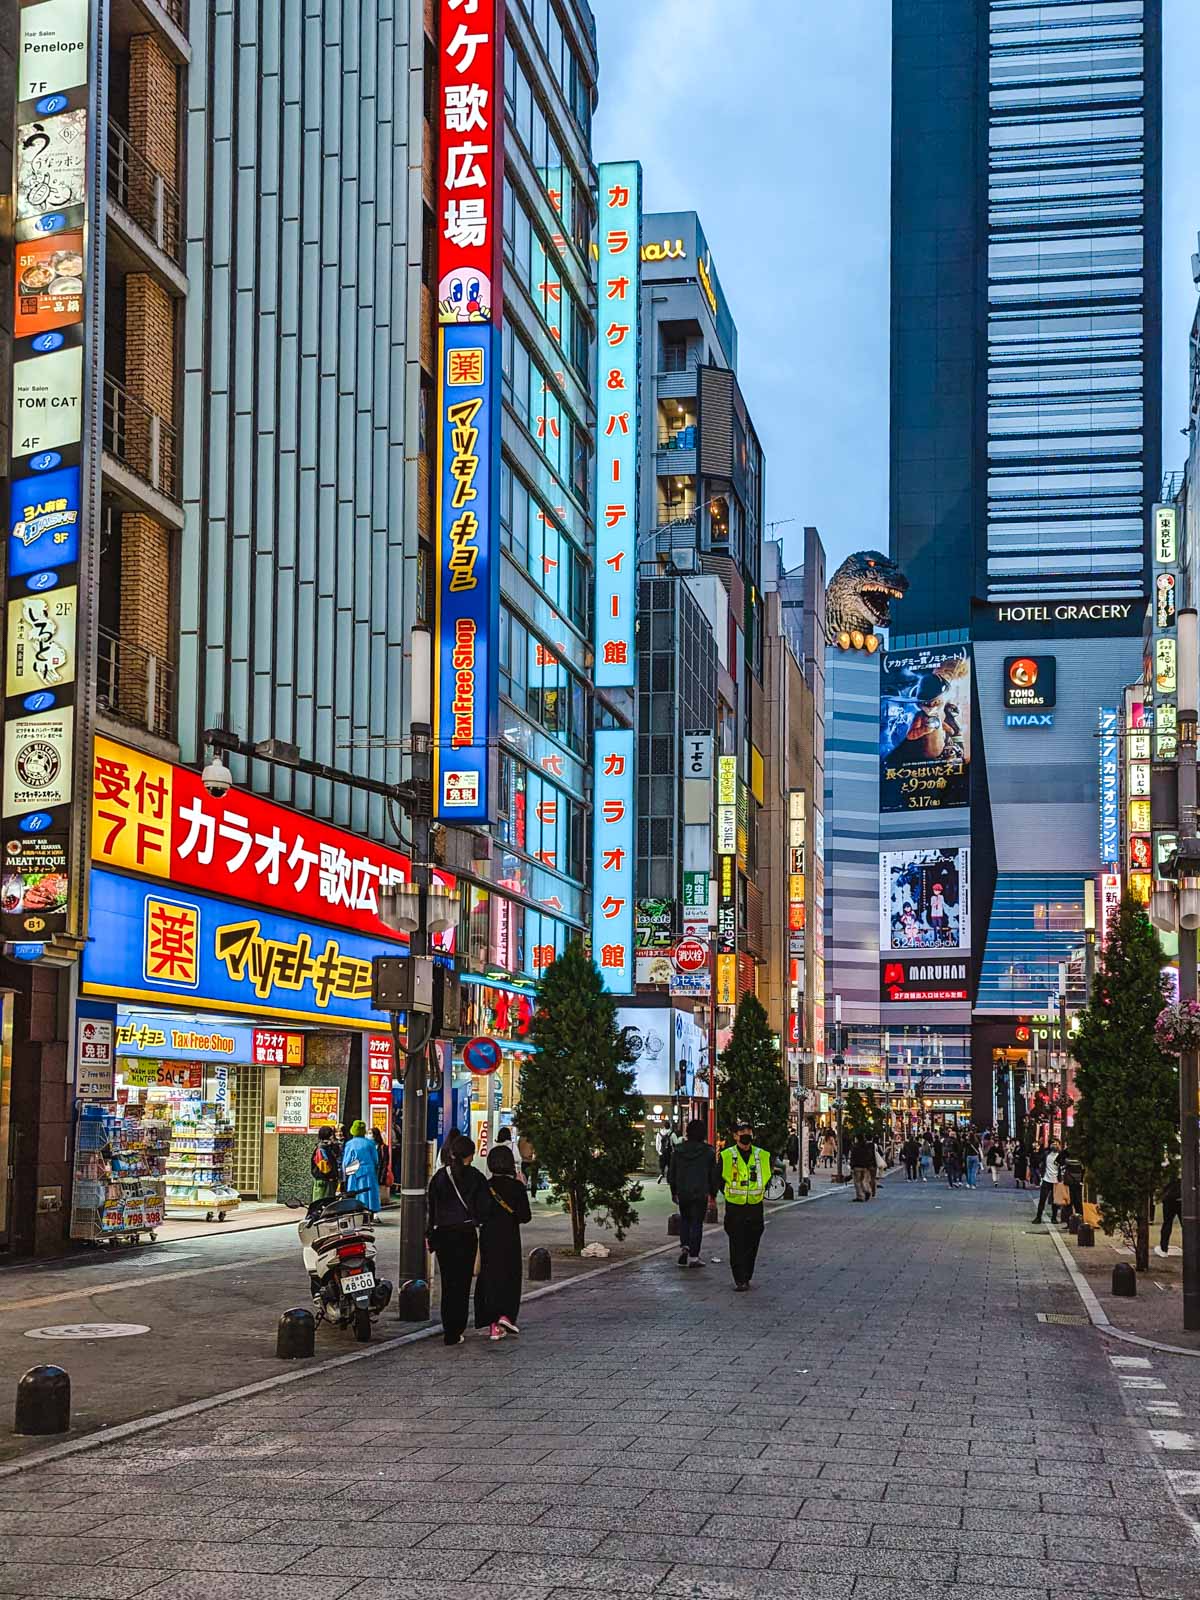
142, 191
135, 685
140, 439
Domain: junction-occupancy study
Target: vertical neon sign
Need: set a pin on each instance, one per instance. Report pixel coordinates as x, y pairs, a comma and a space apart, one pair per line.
617, 421
467, 577
614, 858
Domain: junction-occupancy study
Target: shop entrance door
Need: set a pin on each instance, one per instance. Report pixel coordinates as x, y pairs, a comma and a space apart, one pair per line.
247, 1132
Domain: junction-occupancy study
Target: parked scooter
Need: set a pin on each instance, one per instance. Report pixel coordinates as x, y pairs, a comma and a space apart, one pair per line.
338, 1239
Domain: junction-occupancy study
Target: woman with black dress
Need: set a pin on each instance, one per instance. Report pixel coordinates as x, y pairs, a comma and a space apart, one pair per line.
498, 1286
459, 1203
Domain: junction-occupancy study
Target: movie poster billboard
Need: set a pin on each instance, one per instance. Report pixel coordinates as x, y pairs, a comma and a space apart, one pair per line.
925, 728
924, 899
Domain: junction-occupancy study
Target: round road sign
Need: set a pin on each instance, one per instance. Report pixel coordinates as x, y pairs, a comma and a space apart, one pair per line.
481, 1055
690, 955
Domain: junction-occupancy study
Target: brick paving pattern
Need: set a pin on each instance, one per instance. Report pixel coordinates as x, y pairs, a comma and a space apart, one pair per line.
883, 1416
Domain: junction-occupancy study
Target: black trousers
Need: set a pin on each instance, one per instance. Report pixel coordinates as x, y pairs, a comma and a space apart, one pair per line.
910, 1167
744, 1225
691, 1225
1047, 1193
455, 1250
1171, 1209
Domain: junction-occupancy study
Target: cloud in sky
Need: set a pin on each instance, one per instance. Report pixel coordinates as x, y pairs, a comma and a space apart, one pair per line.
773, 121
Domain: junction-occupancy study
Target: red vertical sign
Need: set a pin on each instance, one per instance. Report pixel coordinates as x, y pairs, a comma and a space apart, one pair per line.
470, 160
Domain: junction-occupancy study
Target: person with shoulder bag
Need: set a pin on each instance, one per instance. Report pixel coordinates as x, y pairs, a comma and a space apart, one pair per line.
498, 1286
459, 1202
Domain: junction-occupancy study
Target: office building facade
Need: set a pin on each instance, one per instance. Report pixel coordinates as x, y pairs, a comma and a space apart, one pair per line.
1025, 461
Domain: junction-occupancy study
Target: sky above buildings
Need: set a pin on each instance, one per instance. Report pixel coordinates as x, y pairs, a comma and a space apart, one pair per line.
775, 126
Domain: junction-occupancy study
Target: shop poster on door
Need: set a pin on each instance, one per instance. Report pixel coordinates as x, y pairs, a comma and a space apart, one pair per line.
217, 956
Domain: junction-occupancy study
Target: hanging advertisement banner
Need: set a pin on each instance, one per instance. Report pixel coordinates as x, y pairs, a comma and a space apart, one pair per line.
619, 236
467, 591
614, 858
925, 728
924, 899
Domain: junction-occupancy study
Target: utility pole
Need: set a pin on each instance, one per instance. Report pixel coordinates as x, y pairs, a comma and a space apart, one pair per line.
1064, 1060
839, 1061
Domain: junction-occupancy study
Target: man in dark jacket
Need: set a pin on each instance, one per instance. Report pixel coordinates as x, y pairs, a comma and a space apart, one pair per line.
862, 1166
912, 1154
693, 1179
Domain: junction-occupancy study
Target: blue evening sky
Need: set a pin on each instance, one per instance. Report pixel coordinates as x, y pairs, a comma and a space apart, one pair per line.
771, 119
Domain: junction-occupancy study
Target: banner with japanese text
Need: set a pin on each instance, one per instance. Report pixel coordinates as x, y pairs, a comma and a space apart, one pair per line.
614, 860
470, 119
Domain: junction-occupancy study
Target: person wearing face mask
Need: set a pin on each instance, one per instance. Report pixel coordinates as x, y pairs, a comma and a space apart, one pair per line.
744, 1174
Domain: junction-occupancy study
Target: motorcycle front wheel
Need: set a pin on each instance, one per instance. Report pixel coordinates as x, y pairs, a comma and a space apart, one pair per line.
362, 1324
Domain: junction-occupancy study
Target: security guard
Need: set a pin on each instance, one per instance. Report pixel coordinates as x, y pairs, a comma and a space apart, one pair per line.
745, 1173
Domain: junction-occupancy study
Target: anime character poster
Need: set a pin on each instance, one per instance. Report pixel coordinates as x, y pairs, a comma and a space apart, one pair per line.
925, 728
924, 899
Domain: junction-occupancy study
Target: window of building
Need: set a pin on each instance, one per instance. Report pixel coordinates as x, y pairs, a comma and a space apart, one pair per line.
1058, 916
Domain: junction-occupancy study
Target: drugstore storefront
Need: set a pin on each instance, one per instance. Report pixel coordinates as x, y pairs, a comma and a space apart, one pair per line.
225, 998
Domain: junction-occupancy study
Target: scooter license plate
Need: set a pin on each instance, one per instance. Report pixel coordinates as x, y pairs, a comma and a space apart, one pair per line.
358, 1281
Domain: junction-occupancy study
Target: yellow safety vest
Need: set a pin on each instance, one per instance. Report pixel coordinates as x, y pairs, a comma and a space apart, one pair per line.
745, 1180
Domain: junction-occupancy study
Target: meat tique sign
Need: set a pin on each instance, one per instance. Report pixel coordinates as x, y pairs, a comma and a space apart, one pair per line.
157, 820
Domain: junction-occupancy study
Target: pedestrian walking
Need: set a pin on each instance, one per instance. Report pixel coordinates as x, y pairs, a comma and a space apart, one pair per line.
325, 1165
911, 1152
829, 1148
383, 1159
862, 1168
814, 1148
995, 1160
973, 1156
954, 1162
926, 1160
505, 1137
1020, 1164
743, 1175
459, 1201
664, 1145
498, 1286
1049, 1181
360, 1167
529, 1168
939, 1154
793, 1149
1172, 1205
693, 1178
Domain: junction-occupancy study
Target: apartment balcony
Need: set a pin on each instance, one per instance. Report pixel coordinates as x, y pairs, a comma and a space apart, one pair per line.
134, 686
145, 216
141, 455
675, 385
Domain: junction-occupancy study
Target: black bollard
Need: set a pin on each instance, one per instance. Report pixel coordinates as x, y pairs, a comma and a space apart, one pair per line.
297, 1335
805, 1186
412, 1300
539, 1265
1086, 1237
1125, 1280
43, 1401
788, 1192
1073, 1222
673, 1225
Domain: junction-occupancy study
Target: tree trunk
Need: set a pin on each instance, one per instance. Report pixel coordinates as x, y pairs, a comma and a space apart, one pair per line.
1142, 1249
578, 1203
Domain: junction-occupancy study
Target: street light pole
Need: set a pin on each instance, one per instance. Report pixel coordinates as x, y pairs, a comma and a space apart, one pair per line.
1188, 668
838, 1063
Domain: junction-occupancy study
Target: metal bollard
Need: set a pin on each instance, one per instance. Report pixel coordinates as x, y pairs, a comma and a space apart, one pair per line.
1073, 1222
539, 1265
788, 1192
805, 1186
1124, 1281
412, 1300
673, 1225
297, 1334
43, 1401
1086, 1237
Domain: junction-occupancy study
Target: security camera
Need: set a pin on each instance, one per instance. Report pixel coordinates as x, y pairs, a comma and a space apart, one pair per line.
217, 778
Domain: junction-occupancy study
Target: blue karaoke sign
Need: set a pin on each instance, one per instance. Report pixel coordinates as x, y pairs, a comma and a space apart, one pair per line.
465, 665
614, 859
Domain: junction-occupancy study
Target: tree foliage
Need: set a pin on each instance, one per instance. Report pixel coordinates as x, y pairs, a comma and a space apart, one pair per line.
750, 1083
1126, 1129
578, 1106
856, 1115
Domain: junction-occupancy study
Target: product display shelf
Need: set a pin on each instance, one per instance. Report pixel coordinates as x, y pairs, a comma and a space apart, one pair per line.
116, 1192
199, 1166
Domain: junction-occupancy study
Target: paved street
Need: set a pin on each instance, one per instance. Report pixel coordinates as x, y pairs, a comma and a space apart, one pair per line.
883, 1416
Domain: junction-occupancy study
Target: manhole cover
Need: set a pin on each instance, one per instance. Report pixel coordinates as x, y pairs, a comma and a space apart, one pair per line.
89, 1330
1063, 1319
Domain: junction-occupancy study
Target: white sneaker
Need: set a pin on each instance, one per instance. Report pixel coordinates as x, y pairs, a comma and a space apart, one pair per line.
1159, 1251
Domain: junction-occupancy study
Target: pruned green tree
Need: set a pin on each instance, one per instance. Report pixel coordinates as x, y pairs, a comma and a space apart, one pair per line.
876, 1113
578, 1104
856, 1115
1126, 1129
750, 1083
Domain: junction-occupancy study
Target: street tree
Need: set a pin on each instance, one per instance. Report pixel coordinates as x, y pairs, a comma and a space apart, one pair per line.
856, 1114
750, 1083
1127, 1117
578, 1105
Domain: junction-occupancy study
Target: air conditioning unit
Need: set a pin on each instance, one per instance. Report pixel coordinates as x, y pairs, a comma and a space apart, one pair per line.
685, 560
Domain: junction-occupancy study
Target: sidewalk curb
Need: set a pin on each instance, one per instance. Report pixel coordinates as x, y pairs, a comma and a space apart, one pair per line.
1099, 1317
160, 1419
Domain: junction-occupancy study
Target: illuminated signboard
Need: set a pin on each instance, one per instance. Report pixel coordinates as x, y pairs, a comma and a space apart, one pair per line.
924, 899
1030, 682
1164, 536
1110, 902
925, 728
50, 436
614, 859
1110, 789
465, 668
617, 393
935, 979
471, 127
151, 942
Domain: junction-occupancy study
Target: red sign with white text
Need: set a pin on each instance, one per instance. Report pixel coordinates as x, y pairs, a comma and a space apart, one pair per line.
470, 143
158, 820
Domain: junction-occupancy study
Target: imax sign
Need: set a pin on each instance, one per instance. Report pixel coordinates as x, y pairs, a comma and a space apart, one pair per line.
1029, 719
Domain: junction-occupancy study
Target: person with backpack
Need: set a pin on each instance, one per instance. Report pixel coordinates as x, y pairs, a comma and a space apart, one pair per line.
459, 1202
664, 1144
692, 1174
325, 1165
498, 1286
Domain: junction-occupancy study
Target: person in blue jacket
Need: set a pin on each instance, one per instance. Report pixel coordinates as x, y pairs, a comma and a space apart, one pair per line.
360, 1167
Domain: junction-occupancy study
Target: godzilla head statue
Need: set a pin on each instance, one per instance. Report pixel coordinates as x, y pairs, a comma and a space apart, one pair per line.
858, 597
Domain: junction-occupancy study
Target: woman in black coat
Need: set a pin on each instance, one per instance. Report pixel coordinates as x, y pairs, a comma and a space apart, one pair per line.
459, 1203
498, 1286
